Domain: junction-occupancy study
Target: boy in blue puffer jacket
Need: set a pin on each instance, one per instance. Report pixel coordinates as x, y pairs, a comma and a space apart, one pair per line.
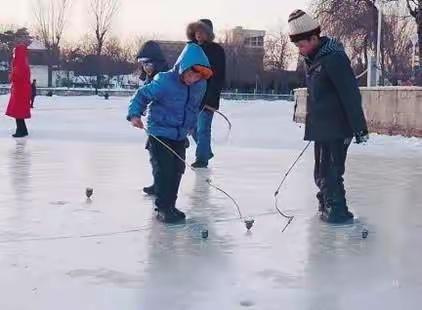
174, 98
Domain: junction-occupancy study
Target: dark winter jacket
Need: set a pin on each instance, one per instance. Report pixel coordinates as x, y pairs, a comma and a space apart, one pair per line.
151, 52
334, 105
217, 58
174, 106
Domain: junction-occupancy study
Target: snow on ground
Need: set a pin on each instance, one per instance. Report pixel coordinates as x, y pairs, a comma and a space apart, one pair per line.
58, 251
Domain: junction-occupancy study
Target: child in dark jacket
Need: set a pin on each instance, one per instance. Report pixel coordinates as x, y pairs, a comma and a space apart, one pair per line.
152, 61
334, 112
174, 99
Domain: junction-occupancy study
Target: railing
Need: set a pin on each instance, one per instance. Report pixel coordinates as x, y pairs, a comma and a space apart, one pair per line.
257, 96
4, 89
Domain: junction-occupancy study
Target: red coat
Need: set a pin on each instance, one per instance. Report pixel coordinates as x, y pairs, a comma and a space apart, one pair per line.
20, 92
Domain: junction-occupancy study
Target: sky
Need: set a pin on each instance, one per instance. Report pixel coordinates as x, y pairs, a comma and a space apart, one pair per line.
165, 19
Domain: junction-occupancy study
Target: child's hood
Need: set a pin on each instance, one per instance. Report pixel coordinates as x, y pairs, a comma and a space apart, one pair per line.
151, 50
192, 55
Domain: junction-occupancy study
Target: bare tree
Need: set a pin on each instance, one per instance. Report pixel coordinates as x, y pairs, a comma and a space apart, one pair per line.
7, 27
415, 10
120, 51
397, 49
50, 21
103, 13
10, 37
354, 22
278, 52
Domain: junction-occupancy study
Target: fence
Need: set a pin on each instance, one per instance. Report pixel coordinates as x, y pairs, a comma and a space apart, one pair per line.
127, 93
257, 96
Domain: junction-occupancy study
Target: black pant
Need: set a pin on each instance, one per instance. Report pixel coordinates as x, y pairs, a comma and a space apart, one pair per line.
152, 160
21, 127
330, 161
168, 170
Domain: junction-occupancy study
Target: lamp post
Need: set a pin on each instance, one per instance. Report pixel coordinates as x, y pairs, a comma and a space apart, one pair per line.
380, 7
369, 81
414, 39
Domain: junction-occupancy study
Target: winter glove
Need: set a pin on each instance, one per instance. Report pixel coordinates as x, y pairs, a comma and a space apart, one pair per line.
361, 137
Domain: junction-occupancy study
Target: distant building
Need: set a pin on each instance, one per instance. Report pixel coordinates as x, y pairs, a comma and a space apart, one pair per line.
38, 62
245, 58
247, 37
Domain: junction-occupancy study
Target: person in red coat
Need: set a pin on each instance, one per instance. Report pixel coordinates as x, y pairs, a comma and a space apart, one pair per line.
20, 93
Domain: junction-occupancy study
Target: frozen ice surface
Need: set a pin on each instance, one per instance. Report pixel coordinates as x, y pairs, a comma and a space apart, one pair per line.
58, 251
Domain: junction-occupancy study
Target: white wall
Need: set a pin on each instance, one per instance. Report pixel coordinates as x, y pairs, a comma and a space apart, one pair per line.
40, 73
389, 110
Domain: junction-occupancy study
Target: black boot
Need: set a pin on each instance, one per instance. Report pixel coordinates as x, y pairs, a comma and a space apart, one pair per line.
336, 212
200, 164
170, 216
21, 130
150, 190
179, 213
333, 217
321, 206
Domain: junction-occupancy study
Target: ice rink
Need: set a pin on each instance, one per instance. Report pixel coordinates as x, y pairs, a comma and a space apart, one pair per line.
60, 251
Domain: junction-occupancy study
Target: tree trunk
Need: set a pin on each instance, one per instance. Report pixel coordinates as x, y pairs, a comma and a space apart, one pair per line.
99, 67
383, 69
50, 68
50, 75
419, 25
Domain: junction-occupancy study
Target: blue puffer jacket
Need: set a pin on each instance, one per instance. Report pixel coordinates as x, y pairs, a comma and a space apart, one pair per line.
174, 106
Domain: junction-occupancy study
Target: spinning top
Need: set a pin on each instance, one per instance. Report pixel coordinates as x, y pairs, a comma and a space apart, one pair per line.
365, 233
249, 223
204, 234
89, 191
